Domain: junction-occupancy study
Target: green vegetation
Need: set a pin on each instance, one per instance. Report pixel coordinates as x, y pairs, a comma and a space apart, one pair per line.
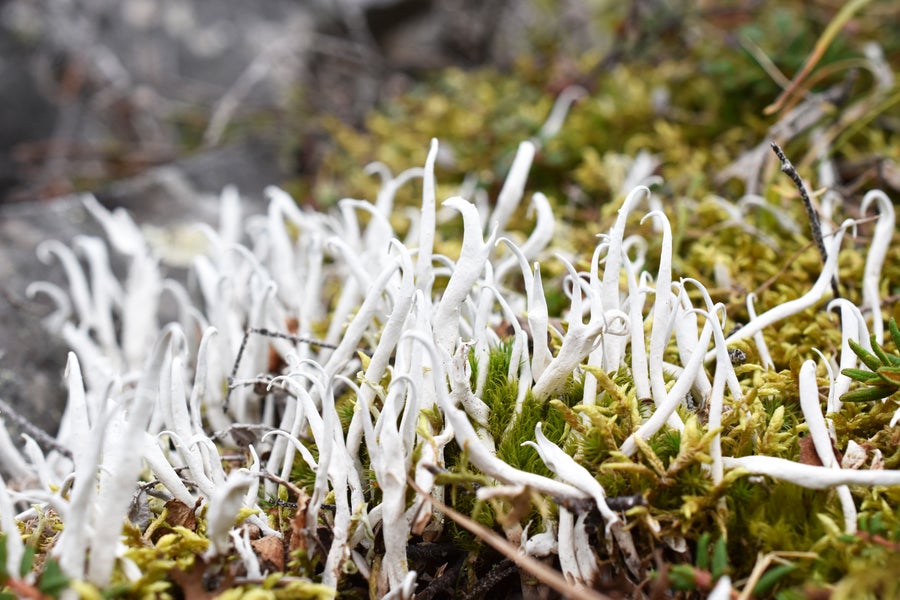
692, 95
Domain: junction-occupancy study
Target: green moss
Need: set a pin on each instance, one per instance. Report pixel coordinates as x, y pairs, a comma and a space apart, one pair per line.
693, 96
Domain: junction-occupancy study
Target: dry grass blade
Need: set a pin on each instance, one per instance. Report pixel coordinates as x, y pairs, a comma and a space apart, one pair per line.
821, 46
545, 574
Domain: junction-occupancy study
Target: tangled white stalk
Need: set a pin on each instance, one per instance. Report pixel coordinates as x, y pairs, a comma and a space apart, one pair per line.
405, 327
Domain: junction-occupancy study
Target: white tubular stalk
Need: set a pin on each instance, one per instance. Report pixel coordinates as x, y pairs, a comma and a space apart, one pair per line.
11, 458
539, 323
15, 549
483, 338
79, 290
75, 425
580, 339
792, 307
163, 470
121, 231
360, 323
568, 563
519, 363
560, 110
55, 320
663, 307
106, 293
468, 268
596, 357
716, 399
539, 545
121, 464
513, 187
881, 241
567, 469
241, 541
587, 561
427, 222
818, 431
724, 375
853, 327
173, 400
686, 335
380, 230
758, 338
223, 508
74, 541
405, 591
673, 398
141, 300
639, 365
722, 589
390, 462
808, 476
230, 229
458, 376
610, 295
200, 389
540, 237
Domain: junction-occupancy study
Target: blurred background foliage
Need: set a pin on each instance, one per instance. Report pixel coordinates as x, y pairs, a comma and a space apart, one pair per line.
688, 82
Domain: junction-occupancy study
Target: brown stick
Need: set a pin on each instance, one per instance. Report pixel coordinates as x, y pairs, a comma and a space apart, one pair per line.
545, 574
814, 223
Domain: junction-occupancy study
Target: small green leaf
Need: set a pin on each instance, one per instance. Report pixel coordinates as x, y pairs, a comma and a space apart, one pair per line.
3, 574
880, 353
895, 332
703, 552
53, 581
860, 374
683, 578
719, 558
771, 578
868, 359
27, 561
875, 524
891, 375
868, 394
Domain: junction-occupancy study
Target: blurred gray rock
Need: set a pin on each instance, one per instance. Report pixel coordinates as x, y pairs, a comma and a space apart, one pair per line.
33, 360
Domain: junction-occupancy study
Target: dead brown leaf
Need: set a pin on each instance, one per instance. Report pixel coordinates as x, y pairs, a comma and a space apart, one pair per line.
180, 514
196, 585
271, 552
809, 456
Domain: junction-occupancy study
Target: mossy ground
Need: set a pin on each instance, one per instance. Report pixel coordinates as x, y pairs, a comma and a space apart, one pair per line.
715, 92
698, 109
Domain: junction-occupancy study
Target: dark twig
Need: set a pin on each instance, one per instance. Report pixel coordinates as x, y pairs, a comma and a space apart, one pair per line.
495, 576
40, 436
443, 583
244, 430
267, 333
623, 503
814, 222
298, 492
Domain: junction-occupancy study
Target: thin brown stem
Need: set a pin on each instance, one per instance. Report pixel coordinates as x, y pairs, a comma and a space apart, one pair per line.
542, 572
